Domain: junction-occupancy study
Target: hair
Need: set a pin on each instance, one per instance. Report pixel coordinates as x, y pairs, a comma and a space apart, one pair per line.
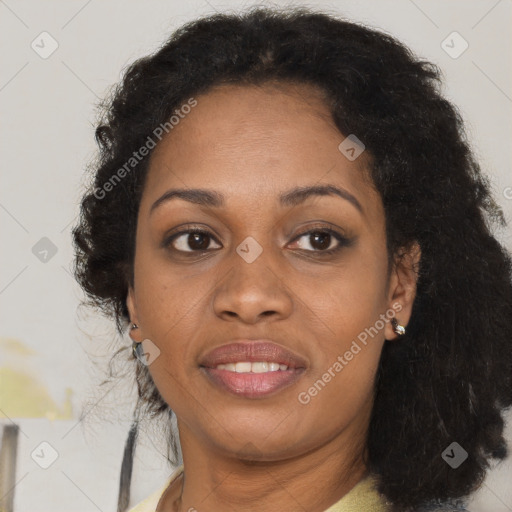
449, 378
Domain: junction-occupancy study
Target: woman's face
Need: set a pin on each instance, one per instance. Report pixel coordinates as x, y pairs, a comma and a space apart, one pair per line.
257, 274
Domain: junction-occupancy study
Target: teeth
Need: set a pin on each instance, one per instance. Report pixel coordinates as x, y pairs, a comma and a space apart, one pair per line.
248, 367
242, 367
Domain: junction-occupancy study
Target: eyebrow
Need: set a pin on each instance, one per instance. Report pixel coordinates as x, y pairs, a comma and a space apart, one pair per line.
293, 197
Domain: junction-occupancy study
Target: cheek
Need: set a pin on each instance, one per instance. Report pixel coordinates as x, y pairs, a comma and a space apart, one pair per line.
165, 298
345, 364
348, 299
168, 309
346, 308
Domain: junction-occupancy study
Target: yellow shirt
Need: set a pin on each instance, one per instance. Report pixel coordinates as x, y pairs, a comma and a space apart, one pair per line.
363, 496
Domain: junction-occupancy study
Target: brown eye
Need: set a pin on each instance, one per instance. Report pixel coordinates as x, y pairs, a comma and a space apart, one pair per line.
192, 240
325, 241
320, 240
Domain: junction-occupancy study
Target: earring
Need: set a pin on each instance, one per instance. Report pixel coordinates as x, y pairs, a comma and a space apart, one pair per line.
138, 350
399, 329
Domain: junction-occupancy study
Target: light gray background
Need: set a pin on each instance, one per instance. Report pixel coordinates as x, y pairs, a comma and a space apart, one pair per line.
48, 116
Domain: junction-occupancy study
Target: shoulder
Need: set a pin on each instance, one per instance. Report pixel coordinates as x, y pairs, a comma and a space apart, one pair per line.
150, 503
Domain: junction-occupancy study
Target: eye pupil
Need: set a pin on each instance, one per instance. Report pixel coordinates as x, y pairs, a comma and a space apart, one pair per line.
193, 237
323, 238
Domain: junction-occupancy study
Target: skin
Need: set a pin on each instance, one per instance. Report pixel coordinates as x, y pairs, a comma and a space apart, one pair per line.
251, 144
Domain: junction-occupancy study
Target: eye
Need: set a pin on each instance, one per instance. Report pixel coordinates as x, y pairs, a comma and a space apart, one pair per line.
322, 240
191, 240
319, 240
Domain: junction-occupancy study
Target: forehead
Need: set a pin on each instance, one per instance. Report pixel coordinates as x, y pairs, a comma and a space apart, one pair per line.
258, 141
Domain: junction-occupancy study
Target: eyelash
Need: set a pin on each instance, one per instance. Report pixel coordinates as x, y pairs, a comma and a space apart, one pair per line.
342, 241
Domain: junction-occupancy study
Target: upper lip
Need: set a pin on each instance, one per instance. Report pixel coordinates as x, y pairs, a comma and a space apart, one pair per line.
253, 351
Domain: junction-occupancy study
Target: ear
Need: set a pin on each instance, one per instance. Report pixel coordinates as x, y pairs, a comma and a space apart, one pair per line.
132, 310
402, 286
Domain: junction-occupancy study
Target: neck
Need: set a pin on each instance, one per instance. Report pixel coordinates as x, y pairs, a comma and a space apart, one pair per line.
246, 482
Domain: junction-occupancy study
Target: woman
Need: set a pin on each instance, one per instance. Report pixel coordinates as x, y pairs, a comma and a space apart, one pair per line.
289, 222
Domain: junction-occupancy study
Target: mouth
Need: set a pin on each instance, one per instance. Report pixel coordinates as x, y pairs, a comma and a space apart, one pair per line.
252, 368
248, 367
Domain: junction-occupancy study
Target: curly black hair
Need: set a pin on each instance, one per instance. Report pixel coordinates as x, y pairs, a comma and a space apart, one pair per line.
449, 378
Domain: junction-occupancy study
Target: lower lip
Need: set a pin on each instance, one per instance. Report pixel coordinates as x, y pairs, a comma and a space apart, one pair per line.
253, 385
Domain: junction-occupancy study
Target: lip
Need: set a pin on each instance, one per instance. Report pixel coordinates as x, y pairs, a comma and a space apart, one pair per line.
252, 385
253, 351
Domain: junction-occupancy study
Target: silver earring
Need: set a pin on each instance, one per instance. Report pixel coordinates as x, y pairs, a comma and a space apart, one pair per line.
399, 329
138, 350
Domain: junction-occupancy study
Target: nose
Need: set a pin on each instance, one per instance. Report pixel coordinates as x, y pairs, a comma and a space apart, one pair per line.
253, 292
